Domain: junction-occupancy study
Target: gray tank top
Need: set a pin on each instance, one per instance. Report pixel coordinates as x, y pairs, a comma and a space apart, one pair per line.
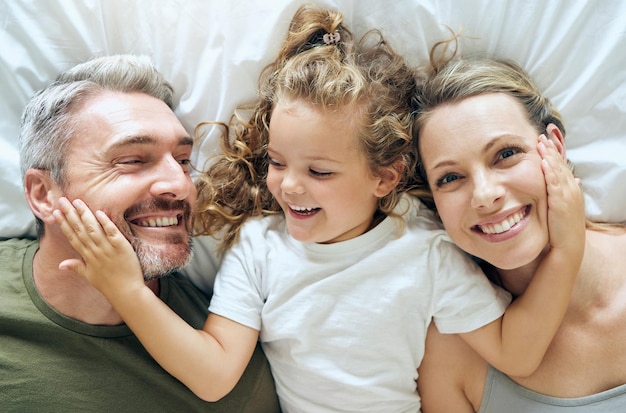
503, 395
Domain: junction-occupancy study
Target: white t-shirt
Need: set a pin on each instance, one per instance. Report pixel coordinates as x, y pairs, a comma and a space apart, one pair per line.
343, 325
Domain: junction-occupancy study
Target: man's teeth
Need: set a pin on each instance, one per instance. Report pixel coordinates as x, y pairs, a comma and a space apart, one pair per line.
502, 226
159, 222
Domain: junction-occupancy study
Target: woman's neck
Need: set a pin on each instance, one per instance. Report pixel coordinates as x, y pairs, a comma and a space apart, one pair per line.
516, 280
597, 274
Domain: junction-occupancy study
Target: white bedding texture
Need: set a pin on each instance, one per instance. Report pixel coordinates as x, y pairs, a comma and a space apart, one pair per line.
213, 50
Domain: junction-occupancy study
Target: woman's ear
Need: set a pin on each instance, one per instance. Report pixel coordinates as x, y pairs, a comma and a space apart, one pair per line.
40, 190
389, 178
554, 134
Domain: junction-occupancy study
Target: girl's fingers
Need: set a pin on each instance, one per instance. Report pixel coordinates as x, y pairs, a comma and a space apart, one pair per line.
70, 225
110, 229
73, 265
80, 226
558, 175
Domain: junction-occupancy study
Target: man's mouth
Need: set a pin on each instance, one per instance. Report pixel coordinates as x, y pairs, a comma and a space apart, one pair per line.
157, 221
504, 225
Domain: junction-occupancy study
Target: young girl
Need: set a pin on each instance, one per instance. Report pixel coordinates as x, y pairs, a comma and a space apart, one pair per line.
327, 263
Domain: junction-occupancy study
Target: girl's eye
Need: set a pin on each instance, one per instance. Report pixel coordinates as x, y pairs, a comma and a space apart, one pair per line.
319, 174
274, 163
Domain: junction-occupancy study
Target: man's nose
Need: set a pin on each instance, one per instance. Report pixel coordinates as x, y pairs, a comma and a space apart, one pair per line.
172, 179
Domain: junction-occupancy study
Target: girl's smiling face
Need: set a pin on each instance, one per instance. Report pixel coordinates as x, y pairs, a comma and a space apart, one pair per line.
481, 159
319, 175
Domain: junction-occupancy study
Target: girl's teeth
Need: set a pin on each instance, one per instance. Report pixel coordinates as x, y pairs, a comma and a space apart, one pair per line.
295, 208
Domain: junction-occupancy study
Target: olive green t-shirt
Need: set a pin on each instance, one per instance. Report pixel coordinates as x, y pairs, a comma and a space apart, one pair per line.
53, 363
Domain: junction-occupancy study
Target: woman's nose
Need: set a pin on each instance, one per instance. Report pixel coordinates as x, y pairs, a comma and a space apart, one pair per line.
487, 190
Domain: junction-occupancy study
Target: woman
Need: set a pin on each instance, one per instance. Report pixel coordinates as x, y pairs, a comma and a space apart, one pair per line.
477, 129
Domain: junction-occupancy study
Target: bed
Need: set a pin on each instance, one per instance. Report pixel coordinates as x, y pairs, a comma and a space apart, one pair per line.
213, 50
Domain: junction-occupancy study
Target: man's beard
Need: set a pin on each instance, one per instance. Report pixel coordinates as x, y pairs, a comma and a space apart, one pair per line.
156, 263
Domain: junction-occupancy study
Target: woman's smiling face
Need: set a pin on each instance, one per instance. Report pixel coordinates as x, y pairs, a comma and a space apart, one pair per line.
481, 159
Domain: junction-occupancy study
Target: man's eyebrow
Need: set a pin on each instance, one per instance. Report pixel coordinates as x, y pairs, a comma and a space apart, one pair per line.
144, 140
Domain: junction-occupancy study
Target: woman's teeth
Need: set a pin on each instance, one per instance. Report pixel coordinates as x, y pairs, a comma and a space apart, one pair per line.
503, 226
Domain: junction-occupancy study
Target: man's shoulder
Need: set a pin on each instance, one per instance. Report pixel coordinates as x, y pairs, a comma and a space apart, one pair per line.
16, 244
13, 253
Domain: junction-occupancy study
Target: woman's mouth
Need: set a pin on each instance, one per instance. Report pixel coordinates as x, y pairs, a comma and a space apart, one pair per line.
504, 225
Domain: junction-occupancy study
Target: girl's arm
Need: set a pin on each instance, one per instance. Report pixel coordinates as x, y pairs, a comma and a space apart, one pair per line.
451, 375
516, 343
208, 361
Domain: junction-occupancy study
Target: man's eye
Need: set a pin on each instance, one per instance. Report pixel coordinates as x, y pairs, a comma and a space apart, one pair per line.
130, 161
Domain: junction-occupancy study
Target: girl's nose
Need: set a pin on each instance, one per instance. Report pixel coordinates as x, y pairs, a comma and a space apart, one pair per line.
291, 184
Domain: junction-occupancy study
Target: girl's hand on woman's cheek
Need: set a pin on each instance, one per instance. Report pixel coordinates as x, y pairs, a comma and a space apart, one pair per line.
566, 208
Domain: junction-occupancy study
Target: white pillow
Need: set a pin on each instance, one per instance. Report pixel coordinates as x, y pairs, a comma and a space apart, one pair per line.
212, 52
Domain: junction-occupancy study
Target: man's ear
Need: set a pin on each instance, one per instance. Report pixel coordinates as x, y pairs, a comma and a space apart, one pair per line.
389, 178
41, 194
554, 134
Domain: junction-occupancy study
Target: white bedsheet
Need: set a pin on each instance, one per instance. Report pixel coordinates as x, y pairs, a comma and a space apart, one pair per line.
213, 50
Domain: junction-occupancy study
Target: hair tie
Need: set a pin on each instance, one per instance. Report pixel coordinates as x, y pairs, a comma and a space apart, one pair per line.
331, 38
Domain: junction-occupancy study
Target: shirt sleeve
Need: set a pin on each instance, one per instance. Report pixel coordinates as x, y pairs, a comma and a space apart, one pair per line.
237, 293
465, 299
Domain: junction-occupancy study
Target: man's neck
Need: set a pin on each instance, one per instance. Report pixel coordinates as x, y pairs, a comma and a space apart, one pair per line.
71, 294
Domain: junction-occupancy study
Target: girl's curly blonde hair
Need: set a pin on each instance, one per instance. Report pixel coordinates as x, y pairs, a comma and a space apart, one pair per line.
368, 77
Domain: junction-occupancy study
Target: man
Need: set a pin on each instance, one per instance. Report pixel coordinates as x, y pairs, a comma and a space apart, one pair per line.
104, 132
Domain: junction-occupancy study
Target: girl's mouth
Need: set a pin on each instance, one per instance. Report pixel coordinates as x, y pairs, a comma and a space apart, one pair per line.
303, 211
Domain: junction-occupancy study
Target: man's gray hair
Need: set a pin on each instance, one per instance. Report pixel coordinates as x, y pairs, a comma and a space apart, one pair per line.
47, 124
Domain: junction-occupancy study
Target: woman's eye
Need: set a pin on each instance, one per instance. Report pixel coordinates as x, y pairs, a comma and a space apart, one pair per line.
446, 179
508, 152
